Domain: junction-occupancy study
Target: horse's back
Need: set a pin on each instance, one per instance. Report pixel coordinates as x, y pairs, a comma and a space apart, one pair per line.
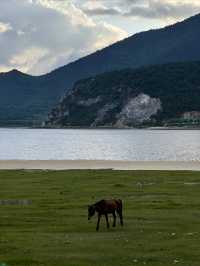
109, 205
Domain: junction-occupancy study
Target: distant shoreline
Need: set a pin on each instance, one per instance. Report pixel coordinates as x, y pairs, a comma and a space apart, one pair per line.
98, 164
104, 128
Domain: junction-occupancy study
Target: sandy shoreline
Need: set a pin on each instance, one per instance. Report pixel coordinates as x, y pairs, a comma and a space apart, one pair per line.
89, 164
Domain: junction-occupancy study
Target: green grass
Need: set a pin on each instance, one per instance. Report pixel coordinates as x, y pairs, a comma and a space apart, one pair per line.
161, 216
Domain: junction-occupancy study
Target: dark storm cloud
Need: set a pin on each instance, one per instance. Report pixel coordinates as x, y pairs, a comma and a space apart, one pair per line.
156, 9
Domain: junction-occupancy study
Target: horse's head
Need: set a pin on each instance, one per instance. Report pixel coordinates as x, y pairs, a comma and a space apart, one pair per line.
91, 211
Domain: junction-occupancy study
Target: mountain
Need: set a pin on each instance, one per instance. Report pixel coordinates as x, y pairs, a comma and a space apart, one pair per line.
158, 95
26, 100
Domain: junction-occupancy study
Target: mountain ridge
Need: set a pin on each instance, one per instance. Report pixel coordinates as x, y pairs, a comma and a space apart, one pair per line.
27, 99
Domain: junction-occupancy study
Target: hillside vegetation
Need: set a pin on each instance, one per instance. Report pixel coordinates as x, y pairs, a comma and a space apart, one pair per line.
157, 95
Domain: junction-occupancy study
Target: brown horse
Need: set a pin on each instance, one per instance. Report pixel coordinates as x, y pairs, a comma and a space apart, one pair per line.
105, 207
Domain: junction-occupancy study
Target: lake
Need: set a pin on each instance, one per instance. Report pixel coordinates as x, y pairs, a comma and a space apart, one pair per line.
91, 144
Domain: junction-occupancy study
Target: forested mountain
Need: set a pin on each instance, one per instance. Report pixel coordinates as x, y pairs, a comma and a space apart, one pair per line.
26, 100
151, 96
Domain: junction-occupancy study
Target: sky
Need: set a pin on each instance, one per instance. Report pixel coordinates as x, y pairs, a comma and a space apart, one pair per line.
37, 36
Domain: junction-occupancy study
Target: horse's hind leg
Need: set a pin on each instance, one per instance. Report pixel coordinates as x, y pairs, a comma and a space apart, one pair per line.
121, 219
114, 219
99, 218
107, 222
119, 211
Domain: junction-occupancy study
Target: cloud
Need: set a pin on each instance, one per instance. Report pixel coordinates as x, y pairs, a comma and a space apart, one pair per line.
37, 36
4, 27
151, 9
99, 8
169, 9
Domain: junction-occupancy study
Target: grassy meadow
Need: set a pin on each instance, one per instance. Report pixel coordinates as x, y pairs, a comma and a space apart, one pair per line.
161, 218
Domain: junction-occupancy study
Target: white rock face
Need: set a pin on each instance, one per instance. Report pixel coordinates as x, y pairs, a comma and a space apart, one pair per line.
139, 110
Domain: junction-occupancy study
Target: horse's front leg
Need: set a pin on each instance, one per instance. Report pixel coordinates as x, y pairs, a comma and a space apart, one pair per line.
107, 222
114, 219
99, 218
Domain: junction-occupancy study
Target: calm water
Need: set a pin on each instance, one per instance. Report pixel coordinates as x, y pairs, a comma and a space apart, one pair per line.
138, 145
